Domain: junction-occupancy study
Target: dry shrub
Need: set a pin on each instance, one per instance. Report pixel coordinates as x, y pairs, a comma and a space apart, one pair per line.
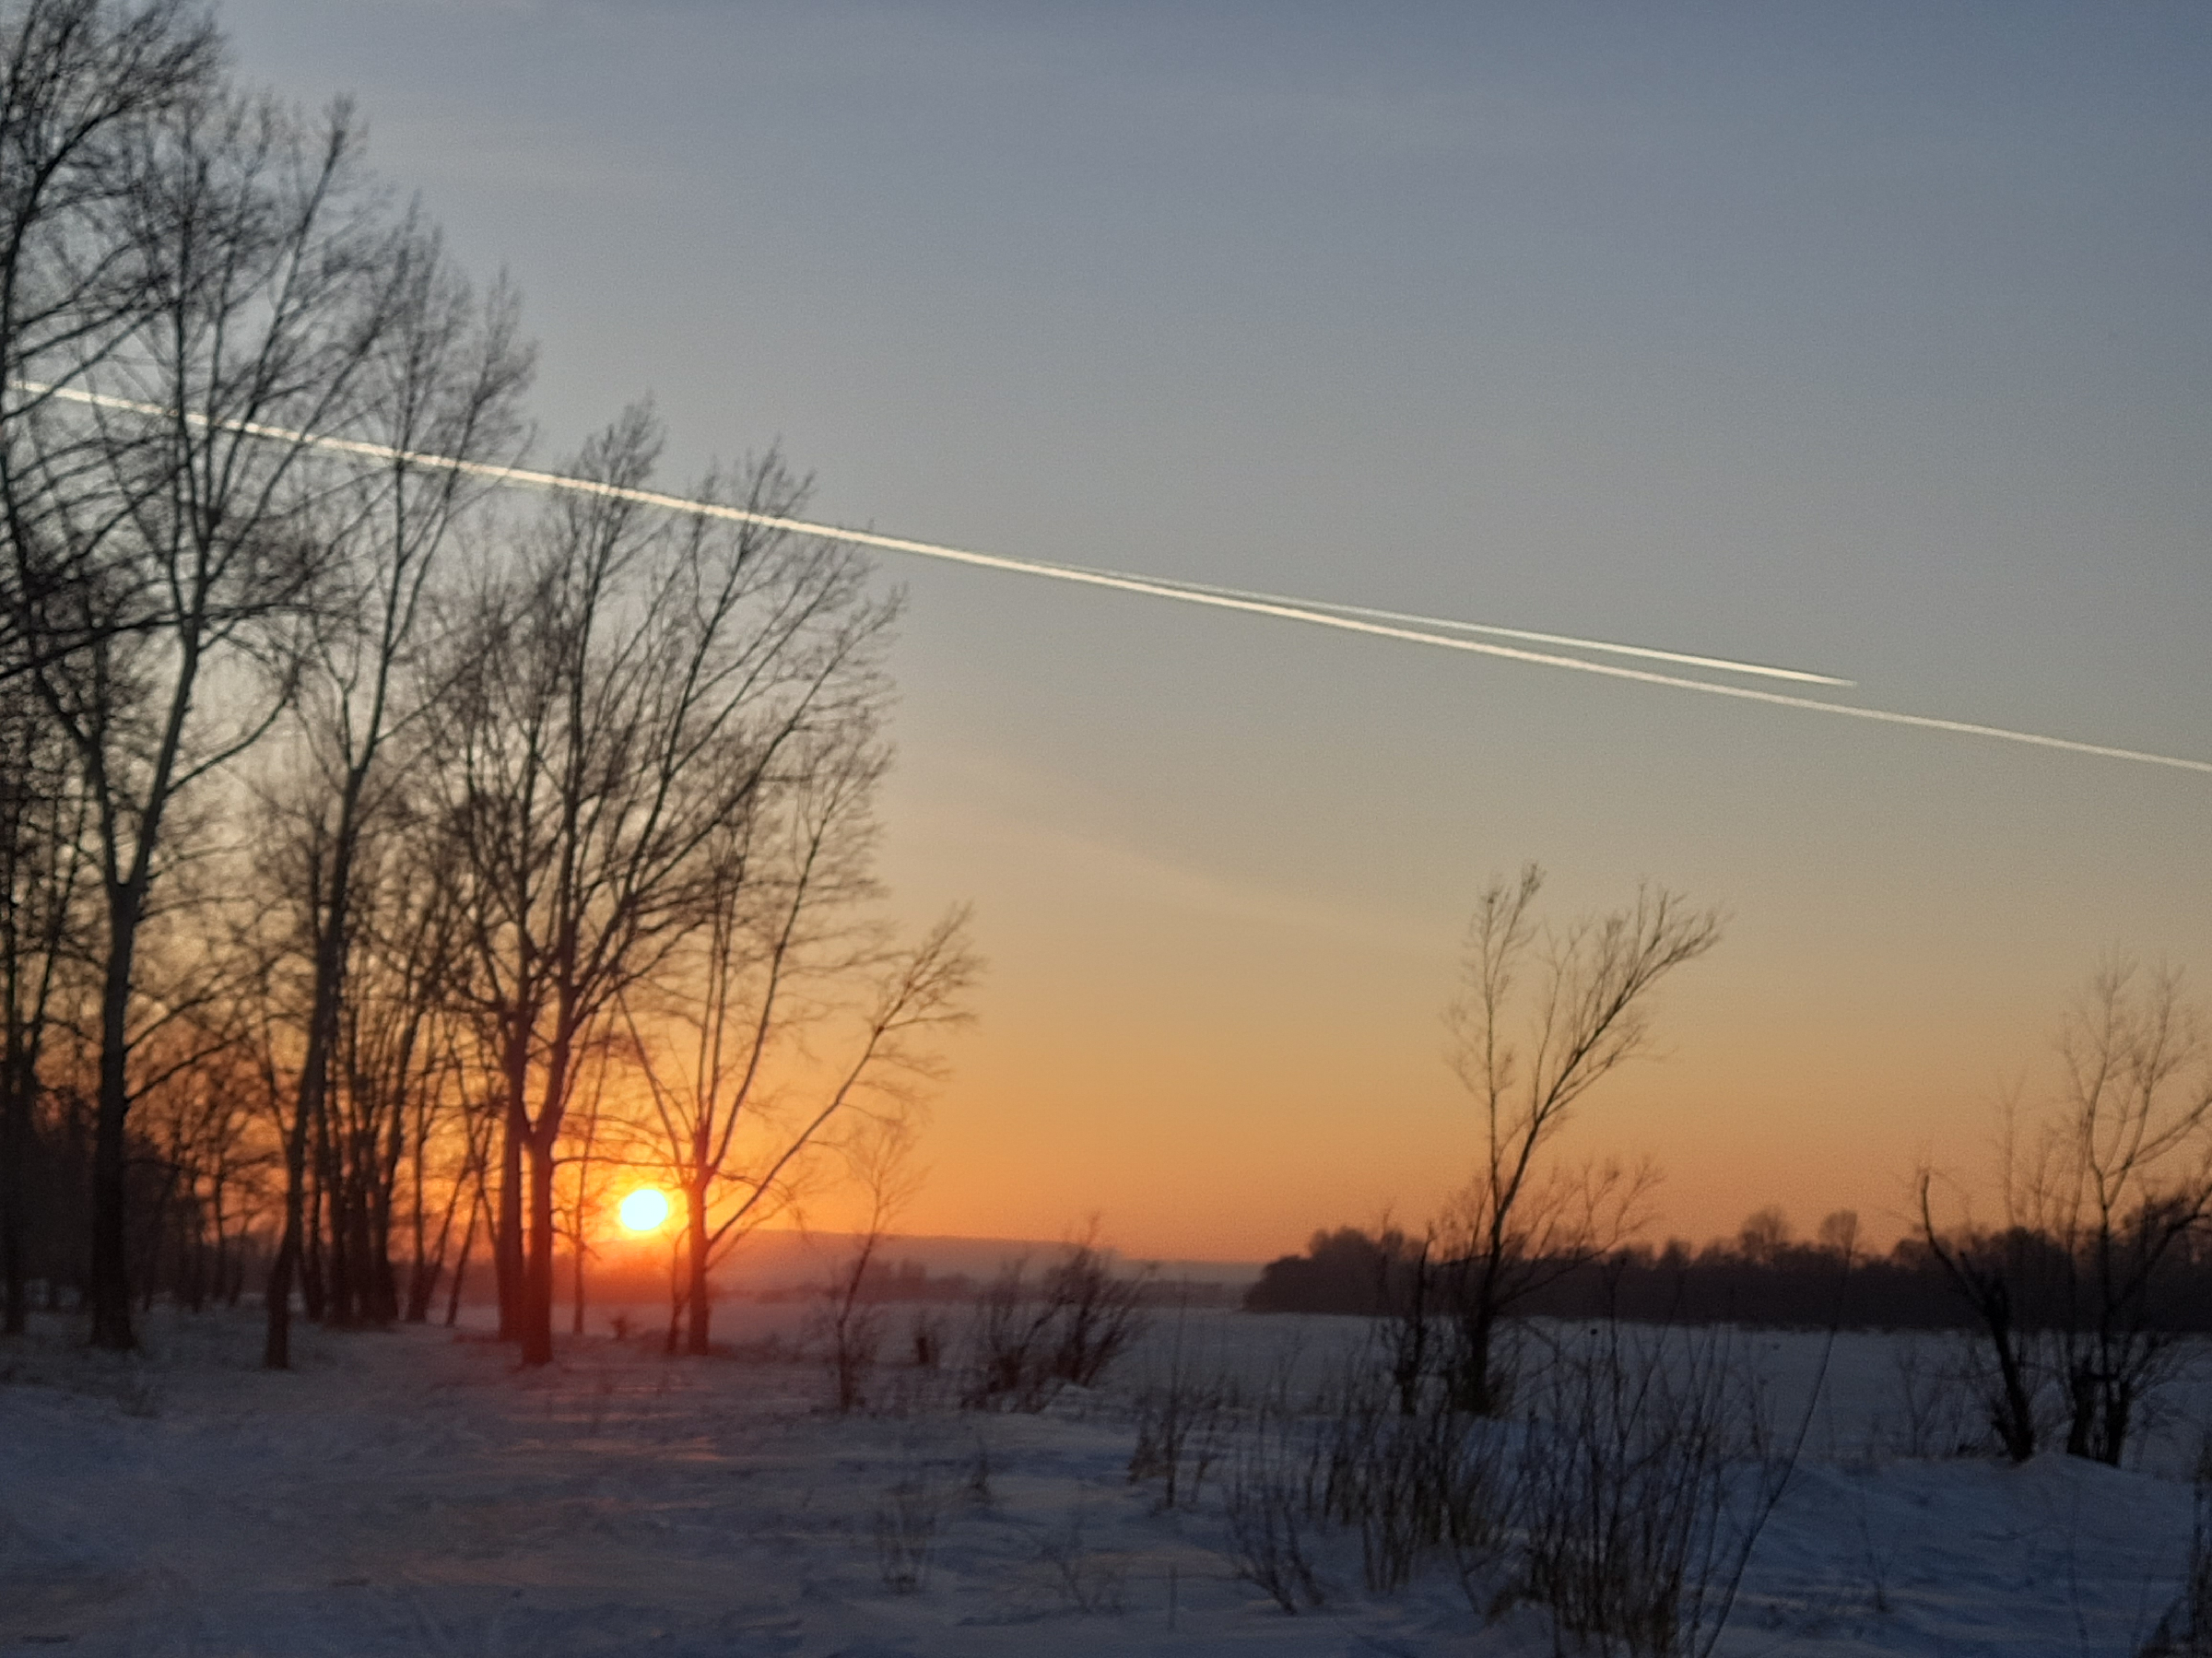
852, 1346
1637, 1518
1414, 1488
1272, 1512
1028, 1340
1626, 1504
1184, 1421
1181, 1427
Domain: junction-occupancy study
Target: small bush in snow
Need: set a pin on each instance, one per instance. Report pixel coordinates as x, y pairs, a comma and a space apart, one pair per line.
1270, 1509
1028, 1340
1184, 1421
1636, 1532
1413, 1486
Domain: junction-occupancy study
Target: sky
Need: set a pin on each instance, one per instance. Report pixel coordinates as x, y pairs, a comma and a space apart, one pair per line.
1874, 340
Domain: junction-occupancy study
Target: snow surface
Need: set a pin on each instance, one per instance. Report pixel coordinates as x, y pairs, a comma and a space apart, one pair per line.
412, 1492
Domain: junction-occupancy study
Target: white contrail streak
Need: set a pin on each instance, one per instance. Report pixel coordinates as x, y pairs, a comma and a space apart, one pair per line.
1160, 586
1726, 663
1289, 609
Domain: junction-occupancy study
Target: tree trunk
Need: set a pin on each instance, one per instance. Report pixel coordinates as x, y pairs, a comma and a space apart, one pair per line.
537, 1332
383, 1282
468, 1243
109, 1286
507, 1230
702, 1307
576, 1276
1474, 1388
2015, 1413
17, 1081
310, 1247
1479, 1296
277, 1343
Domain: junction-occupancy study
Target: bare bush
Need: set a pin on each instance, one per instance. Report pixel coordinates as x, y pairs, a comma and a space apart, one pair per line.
1414, 1486
977, 1485
1028, 1340
1636, 1531
925, 1340
1180, 1430
1007, 1340
1269, 1505
1099, 1316
1437, 1485
855, 1344
1183, 1423
1411, 1332
879, 1155
1935, 1396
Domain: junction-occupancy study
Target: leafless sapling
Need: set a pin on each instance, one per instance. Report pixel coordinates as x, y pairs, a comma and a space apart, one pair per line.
2103, 1191
1544, 1014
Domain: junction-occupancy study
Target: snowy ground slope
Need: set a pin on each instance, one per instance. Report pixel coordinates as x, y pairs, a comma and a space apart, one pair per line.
412, 1493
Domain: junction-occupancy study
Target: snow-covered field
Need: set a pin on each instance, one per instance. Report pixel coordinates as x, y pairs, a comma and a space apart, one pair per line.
413, 1493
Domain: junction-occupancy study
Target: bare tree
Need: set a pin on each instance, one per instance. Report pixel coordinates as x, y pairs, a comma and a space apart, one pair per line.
195, 1126
633, 684
879, 1158
447, 1152
174, 652
1764, 1235
1544, 1015
733, 1156
41, 877
786, 942
2004, 1276
606, 1145
443, 379
81, 81
2104, 1191
2122, 1180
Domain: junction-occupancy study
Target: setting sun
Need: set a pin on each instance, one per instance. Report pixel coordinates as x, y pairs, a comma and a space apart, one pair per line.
644, 1209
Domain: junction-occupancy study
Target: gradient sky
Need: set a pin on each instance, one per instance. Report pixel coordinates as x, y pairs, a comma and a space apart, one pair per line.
1871, 339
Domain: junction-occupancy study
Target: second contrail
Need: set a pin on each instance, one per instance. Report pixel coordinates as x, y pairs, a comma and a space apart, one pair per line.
1380, 624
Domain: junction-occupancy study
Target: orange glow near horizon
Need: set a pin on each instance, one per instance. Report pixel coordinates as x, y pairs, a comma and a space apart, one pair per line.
644, 1210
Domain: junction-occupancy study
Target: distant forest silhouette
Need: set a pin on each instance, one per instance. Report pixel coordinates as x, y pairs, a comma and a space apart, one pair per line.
1757, 1279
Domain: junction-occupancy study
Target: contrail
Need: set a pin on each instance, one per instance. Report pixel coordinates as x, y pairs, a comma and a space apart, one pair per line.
1158, 586
1348, 618
1724, 662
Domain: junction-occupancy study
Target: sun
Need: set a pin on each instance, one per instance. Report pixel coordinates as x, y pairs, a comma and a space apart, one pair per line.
644, 1209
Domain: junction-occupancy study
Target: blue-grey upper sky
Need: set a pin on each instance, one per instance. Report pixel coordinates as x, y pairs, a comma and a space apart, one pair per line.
1874, 339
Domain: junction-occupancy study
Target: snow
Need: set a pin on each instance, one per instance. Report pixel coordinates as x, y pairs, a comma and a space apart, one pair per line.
412, 1492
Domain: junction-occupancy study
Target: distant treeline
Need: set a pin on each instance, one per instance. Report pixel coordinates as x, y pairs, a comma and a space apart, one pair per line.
1748, 1281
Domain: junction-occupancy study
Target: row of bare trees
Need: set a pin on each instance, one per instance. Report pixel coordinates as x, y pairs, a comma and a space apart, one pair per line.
384, 865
